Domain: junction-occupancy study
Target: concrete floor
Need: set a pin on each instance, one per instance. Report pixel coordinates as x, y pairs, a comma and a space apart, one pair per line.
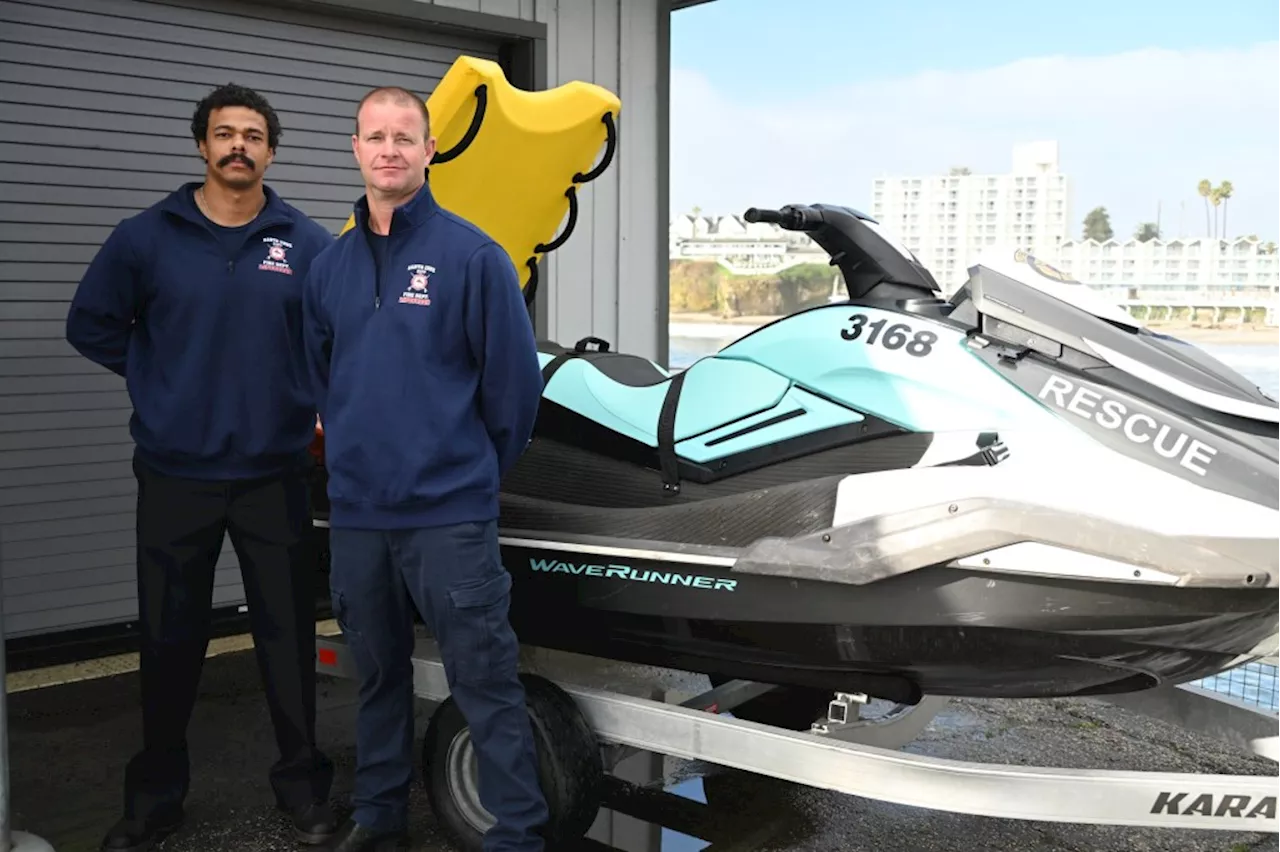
69, 743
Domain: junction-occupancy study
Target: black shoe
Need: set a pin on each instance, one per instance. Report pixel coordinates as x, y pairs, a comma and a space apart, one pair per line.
357, 838
136, 835
313, 824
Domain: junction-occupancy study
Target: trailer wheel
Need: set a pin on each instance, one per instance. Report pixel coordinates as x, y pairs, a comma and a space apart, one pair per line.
570, 768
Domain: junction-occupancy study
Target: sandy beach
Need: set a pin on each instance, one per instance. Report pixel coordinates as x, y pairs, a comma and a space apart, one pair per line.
1227, 333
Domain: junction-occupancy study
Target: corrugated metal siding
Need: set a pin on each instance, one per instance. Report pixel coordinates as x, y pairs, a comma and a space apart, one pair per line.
96, 98
610, 278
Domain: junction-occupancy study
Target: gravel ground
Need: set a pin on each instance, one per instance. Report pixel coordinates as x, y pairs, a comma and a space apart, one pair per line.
69, 743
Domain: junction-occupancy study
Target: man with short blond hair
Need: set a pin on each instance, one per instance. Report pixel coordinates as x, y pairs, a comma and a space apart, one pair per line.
427, 381
401, 97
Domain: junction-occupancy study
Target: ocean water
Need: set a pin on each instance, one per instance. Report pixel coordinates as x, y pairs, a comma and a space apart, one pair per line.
1258, 362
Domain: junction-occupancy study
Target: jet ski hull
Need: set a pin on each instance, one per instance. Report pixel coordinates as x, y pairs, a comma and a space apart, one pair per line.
927, 589
937, 630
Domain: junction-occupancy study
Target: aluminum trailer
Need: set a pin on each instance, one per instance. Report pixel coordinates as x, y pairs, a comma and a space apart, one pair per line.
584, 730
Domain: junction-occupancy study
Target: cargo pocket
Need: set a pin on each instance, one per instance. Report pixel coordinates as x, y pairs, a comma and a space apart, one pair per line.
340, 612
482, 646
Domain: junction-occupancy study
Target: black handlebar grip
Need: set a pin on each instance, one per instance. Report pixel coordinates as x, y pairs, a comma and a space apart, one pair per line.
756, 214
791, 218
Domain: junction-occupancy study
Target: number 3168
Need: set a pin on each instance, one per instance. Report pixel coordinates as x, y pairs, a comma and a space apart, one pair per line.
896, 336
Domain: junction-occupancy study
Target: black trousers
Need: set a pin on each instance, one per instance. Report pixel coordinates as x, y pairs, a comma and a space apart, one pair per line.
180, 528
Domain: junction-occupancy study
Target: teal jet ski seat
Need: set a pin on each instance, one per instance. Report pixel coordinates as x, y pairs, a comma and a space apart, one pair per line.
719, 406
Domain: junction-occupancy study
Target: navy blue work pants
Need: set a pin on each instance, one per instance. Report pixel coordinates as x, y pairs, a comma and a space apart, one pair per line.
455, 578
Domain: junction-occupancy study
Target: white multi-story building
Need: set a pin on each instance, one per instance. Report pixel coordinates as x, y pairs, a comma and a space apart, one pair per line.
1155, 267
743, 248
946, 220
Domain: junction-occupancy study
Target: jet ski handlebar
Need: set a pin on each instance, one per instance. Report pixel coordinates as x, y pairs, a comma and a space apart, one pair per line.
872, 265
791, 217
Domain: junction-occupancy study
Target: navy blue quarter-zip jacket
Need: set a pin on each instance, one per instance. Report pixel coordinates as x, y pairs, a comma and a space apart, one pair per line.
205, 325
425, 368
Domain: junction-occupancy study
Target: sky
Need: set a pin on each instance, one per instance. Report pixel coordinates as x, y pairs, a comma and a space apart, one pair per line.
779, 101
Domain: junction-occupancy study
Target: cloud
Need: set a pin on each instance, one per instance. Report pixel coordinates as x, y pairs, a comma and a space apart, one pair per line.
1134, 129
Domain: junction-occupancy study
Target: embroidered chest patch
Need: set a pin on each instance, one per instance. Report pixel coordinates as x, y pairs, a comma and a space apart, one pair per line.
277, 259
416, 293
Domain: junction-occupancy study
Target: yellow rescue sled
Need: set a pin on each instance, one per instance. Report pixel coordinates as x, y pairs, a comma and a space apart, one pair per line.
510, 160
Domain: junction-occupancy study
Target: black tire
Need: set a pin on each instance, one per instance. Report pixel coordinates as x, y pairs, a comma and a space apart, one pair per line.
570, 768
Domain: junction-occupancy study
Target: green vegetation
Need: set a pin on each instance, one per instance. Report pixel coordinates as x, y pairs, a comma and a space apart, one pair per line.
1097, 225
1146, 231
1097, 222
704, 286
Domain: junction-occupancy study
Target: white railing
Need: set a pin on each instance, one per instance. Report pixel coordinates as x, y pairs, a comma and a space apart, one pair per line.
1224, 305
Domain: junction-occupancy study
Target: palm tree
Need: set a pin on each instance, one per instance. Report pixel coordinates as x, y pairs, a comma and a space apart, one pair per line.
1216, 201
1224, 192
1205, 189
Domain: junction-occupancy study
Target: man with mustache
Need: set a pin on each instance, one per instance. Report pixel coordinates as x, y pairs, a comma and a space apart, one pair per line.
197, 303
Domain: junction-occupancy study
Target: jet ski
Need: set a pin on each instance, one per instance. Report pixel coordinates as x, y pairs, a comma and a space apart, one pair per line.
1012, 491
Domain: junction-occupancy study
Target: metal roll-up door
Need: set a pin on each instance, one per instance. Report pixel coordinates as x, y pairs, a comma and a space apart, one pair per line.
96, 98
